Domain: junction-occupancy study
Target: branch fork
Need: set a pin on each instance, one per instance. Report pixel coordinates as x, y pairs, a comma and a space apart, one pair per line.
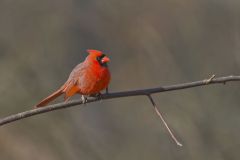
207, 81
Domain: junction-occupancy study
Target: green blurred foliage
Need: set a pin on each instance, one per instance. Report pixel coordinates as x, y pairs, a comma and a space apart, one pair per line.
154, 43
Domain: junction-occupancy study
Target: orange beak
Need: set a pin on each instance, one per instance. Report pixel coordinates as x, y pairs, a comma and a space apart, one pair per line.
105, 59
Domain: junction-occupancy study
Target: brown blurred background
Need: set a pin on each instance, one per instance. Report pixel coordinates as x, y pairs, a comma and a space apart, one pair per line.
150, 43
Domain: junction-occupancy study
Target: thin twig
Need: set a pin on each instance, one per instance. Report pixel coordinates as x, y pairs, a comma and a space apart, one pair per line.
141, 92
210, 79
163, 120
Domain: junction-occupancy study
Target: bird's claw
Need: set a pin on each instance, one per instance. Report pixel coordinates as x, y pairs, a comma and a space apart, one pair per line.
84, 99
99, 96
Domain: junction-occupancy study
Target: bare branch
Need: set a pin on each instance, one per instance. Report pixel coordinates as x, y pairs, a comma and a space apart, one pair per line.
163, 120
141, 92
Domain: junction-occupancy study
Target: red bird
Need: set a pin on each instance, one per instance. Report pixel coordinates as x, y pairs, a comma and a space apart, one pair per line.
87, 78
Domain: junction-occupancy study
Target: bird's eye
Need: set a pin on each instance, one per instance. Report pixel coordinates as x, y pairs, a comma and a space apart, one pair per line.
99, 58
103, 55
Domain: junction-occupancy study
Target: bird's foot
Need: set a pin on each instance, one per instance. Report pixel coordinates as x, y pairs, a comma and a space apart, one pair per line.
84, 99
99, 96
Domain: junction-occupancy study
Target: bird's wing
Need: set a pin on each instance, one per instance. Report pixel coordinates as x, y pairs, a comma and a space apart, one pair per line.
71, 86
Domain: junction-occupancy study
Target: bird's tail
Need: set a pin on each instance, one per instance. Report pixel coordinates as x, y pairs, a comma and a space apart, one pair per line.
50, 98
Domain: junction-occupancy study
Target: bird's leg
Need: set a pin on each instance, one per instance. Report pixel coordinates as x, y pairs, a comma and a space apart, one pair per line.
107, 90
84, 99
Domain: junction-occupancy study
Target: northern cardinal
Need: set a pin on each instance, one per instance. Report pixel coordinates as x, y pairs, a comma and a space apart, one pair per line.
87, 78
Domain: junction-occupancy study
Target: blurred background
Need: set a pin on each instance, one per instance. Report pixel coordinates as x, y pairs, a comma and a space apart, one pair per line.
150, 43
